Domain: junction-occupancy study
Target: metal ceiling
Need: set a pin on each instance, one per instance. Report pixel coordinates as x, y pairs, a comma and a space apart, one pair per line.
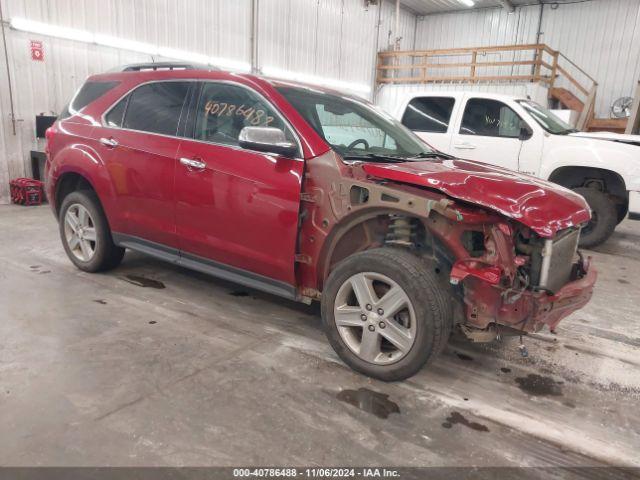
426, 7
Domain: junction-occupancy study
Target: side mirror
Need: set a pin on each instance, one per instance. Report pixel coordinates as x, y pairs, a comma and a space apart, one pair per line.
525, 133
267, 139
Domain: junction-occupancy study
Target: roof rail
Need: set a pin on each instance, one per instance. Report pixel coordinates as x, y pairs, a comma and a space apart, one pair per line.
138, 67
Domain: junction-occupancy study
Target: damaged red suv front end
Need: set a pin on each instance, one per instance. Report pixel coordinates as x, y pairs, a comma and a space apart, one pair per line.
543, 282
513, 239
505, 243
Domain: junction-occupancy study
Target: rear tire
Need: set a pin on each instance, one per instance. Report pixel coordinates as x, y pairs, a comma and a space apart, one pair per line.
415, 328
85, 233
604, 217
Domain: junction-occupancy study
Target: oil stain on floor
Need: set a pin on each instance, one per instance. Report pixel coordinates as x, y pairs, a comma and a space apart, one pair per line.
538, 385
369, 401
141, 281
458, 418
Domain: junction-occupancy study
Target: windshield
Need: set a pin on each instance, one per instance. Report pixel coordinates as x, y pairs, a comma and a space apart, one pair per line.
547, 120
354, 129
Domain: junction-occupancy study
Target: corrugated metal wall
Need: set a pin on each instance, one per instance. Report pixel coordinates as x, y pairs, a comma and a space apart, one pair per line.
603, 38
334, 39
470, 28
328, 38
600, 36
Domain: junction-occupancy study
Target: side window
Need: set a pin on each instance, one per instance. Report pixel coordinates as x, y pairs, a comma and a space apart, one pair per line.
428, 114
156, 107
116, 114
490, 118
224, 110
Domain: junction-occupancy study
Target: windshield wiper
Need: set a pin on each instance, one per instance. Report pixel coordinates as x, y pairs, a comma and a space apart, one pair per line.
568, 131
432, 155
374, 157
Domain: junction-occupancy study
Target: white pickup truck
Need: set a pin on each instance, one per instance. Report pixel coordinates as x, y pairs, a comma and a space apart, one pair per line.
519, 134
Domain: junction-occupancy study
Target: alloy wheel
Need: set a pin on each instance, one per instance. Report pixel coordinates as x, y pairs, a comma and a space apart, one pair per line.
80, 232
375, 318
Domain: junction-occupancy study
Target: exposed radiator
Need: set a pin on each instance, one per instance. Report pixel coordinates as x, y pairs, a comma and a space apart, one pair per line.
557, 260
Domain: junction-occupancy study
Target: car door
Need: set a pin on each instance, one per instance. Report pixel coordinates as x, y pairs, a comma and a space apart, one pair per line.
430, 118
490, 132
237, 209
140, 134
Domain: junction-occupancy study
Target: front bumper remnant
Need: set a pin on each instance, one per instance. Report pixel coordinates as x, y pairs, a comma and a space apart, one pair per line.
486, 303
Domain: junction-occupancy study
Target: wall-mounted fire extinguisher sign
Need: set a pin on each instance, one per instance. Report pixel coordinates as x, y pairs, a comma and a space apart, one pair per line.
37, 51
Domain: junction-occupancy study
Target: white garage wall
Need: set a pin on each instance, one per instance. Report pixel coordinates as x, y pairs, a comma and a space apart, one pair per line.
335, 39
328, 38
603, 38
482, 27
600, 36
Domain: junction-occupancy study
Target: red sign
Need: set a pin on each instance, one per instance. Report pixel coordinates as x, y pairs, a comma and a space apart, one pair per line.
37, 51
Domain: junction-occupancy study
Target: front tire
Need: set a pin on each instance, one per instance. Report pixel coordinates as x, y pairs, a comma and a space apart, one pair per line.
85, 233
385, 313
604, 217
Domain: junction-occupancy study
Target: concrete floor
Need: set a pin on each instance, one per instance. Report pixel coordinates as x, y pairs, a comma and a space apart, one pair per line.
97, 370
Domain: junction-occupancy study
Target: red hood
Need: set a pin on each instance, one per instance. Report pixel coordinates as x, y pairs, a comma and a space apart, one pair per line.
544, 207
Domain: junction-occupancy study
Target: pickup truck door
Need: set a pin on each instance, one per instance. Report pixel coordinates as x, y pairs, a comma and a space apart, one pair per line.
431, 117
489, 131
237, 209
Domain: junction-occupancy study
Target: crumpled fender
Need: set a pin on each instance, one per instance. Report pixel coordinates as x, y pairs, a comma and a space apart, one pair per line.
544, 207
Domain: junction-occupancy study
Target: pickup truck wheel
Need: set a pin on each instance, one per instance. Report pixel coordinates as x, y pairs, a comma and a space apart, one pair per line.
85, 233
622, 213
385, 313
604, 217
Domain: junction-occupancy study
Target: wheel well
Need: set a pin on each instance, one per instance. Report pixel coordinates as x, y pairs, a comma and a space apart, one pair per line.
605, 180
364, 235
384, 229
68, 183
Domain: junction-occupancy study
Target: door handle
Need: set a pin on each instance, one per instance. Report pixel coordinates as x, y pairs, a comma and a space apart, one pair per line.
193, 164
464, 146
109, 142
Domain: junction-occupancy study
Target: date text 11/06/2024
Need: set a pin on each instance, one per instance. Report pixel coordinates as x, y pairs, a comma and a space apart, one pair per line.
315, 473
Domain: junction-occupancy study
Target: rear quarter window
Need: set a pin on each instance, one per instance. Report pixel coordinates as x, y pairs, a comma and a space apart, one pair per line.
88, 93
428, 114
116, 114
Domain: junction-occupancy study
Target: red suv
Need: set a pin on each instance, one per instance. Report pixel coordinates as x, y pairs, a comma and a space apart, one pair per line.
310, 194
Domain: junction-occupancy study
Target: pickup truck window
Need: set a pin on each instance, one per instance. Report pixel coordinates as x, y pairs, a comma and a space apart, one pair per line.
428, 114
354, 128
490, 118
546, 119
